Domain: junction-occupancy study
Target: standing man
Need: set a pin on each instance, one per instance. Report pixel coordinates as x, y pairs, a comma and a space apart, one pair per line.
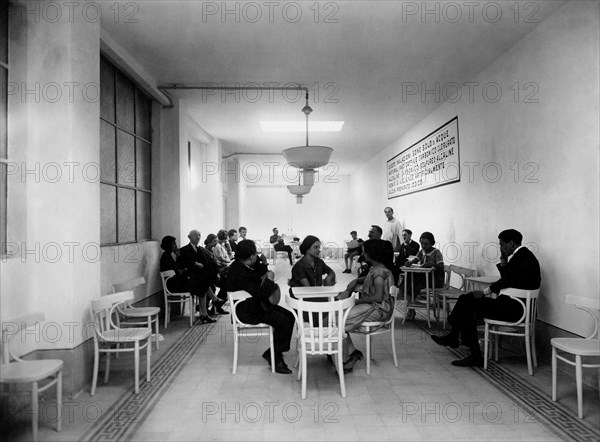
519, 269
392, 229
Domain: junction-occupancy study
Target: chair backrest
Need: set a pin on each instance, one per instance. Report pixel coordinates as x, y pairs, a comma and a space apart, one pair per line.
592, 306
234, 299
13, 328
462, 273
326, 321
447, 274
130, 284
164, 276
530, 304
102, 310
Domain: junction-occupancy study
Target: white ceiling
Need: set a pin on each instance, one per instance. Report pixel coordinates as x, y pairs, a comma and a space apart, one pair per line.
358, 63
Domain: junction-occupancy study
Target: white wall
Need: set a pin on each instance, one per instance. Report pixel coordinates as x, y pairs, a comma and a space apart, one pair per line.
53, 212
554, 145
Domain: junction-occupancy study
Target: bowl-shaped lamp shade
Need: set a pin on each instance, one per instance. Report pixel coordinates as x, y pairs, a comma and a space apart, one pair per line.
307, 157
299, 190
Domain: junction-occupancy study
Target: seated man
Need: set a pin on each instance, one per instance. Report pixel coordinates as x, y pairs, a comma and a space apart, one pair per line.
352, 252
407, 248
519, 269
233, 237
243, 232
279, 246
249, 274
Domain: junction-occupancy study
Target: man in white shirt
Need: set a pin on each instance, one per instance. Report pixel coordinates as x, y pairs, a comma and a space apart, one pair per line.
392, 229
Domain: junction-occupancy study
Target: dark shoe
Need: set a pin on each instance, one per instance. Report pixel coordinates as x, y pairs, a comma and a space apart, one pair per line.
211, 311
446, 341
267, 356
354, 357
347, 271
469, 361
220, 311
207, 320
281, 367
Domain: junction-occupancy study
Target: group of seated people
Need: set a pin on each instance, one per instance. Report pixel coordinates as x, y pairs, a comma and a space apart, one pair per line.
518, 268
201, 270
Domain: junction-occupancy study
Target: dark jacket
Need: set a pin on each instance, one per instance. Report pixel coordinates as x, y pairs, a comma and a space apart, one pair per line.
521, 272
205, 276
242, 277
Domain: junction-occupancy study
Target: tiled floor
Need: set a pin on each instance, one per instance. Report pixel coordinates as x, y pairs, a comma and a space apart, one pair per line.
194, 396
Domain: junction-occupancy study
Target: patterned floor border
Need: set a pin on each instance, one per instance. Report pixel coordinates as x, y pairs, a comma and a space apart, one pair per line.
126, 415
121, 421
555, 416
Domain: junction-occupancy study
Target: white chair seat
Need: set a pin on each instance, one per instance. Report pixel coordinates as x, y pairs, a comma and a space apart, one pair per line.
524, 327
102, 312
577, 346
140, 312
15, 370
29, 371
330, 335
125, 334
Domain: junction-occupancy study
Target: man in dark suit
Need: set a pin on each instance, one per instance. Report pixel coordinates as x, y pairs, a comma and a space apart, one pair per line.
407, 248
520, 269
201, 269
248, 273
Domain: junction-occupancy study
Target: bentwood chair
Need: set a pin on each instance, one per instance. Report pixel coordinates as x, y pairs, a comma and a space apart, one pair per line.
524, 327
175, 298
323, 334
107, 334
382, 327
241, 329
136, 316
455, 286
15, 370
579, 347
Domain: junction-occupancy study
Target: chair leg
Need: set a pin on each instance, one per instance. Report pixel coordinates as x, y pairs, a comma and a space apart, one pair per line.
59, 400
167, 312
272, 347
528, 352
96, 363
236, 343
369, 356
156, 328
107, 366
486, 339
192, 310
148, 359
392, 333
533, 352
554, 373
496, 346
579, 381
340, 366
34, 410
136, 358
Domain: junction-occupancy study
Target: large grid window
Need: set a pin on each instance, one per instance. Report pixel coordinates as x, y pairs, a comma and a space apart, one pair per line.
125, 162
3, 123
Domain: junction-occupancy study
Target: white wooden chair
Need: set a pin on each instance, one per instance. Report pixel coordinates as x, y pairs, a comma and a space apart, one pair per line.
272, 254
15, 370
323, 335
378, 328
450, 292
579, 347
176, 298
524, 327
242, 329
107, 334
137, 316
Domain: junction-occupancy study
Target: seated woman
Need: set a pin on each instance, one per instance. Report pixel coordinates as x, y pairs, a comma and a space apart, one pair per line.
248, 273
221, 298
220, 250
171, 260
428, 256
309, 270
374, 303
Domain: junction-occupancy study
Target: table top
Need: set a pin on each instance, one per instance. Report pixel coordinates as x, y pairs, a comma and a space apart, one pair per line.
483, 279
317, 292
417, 268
